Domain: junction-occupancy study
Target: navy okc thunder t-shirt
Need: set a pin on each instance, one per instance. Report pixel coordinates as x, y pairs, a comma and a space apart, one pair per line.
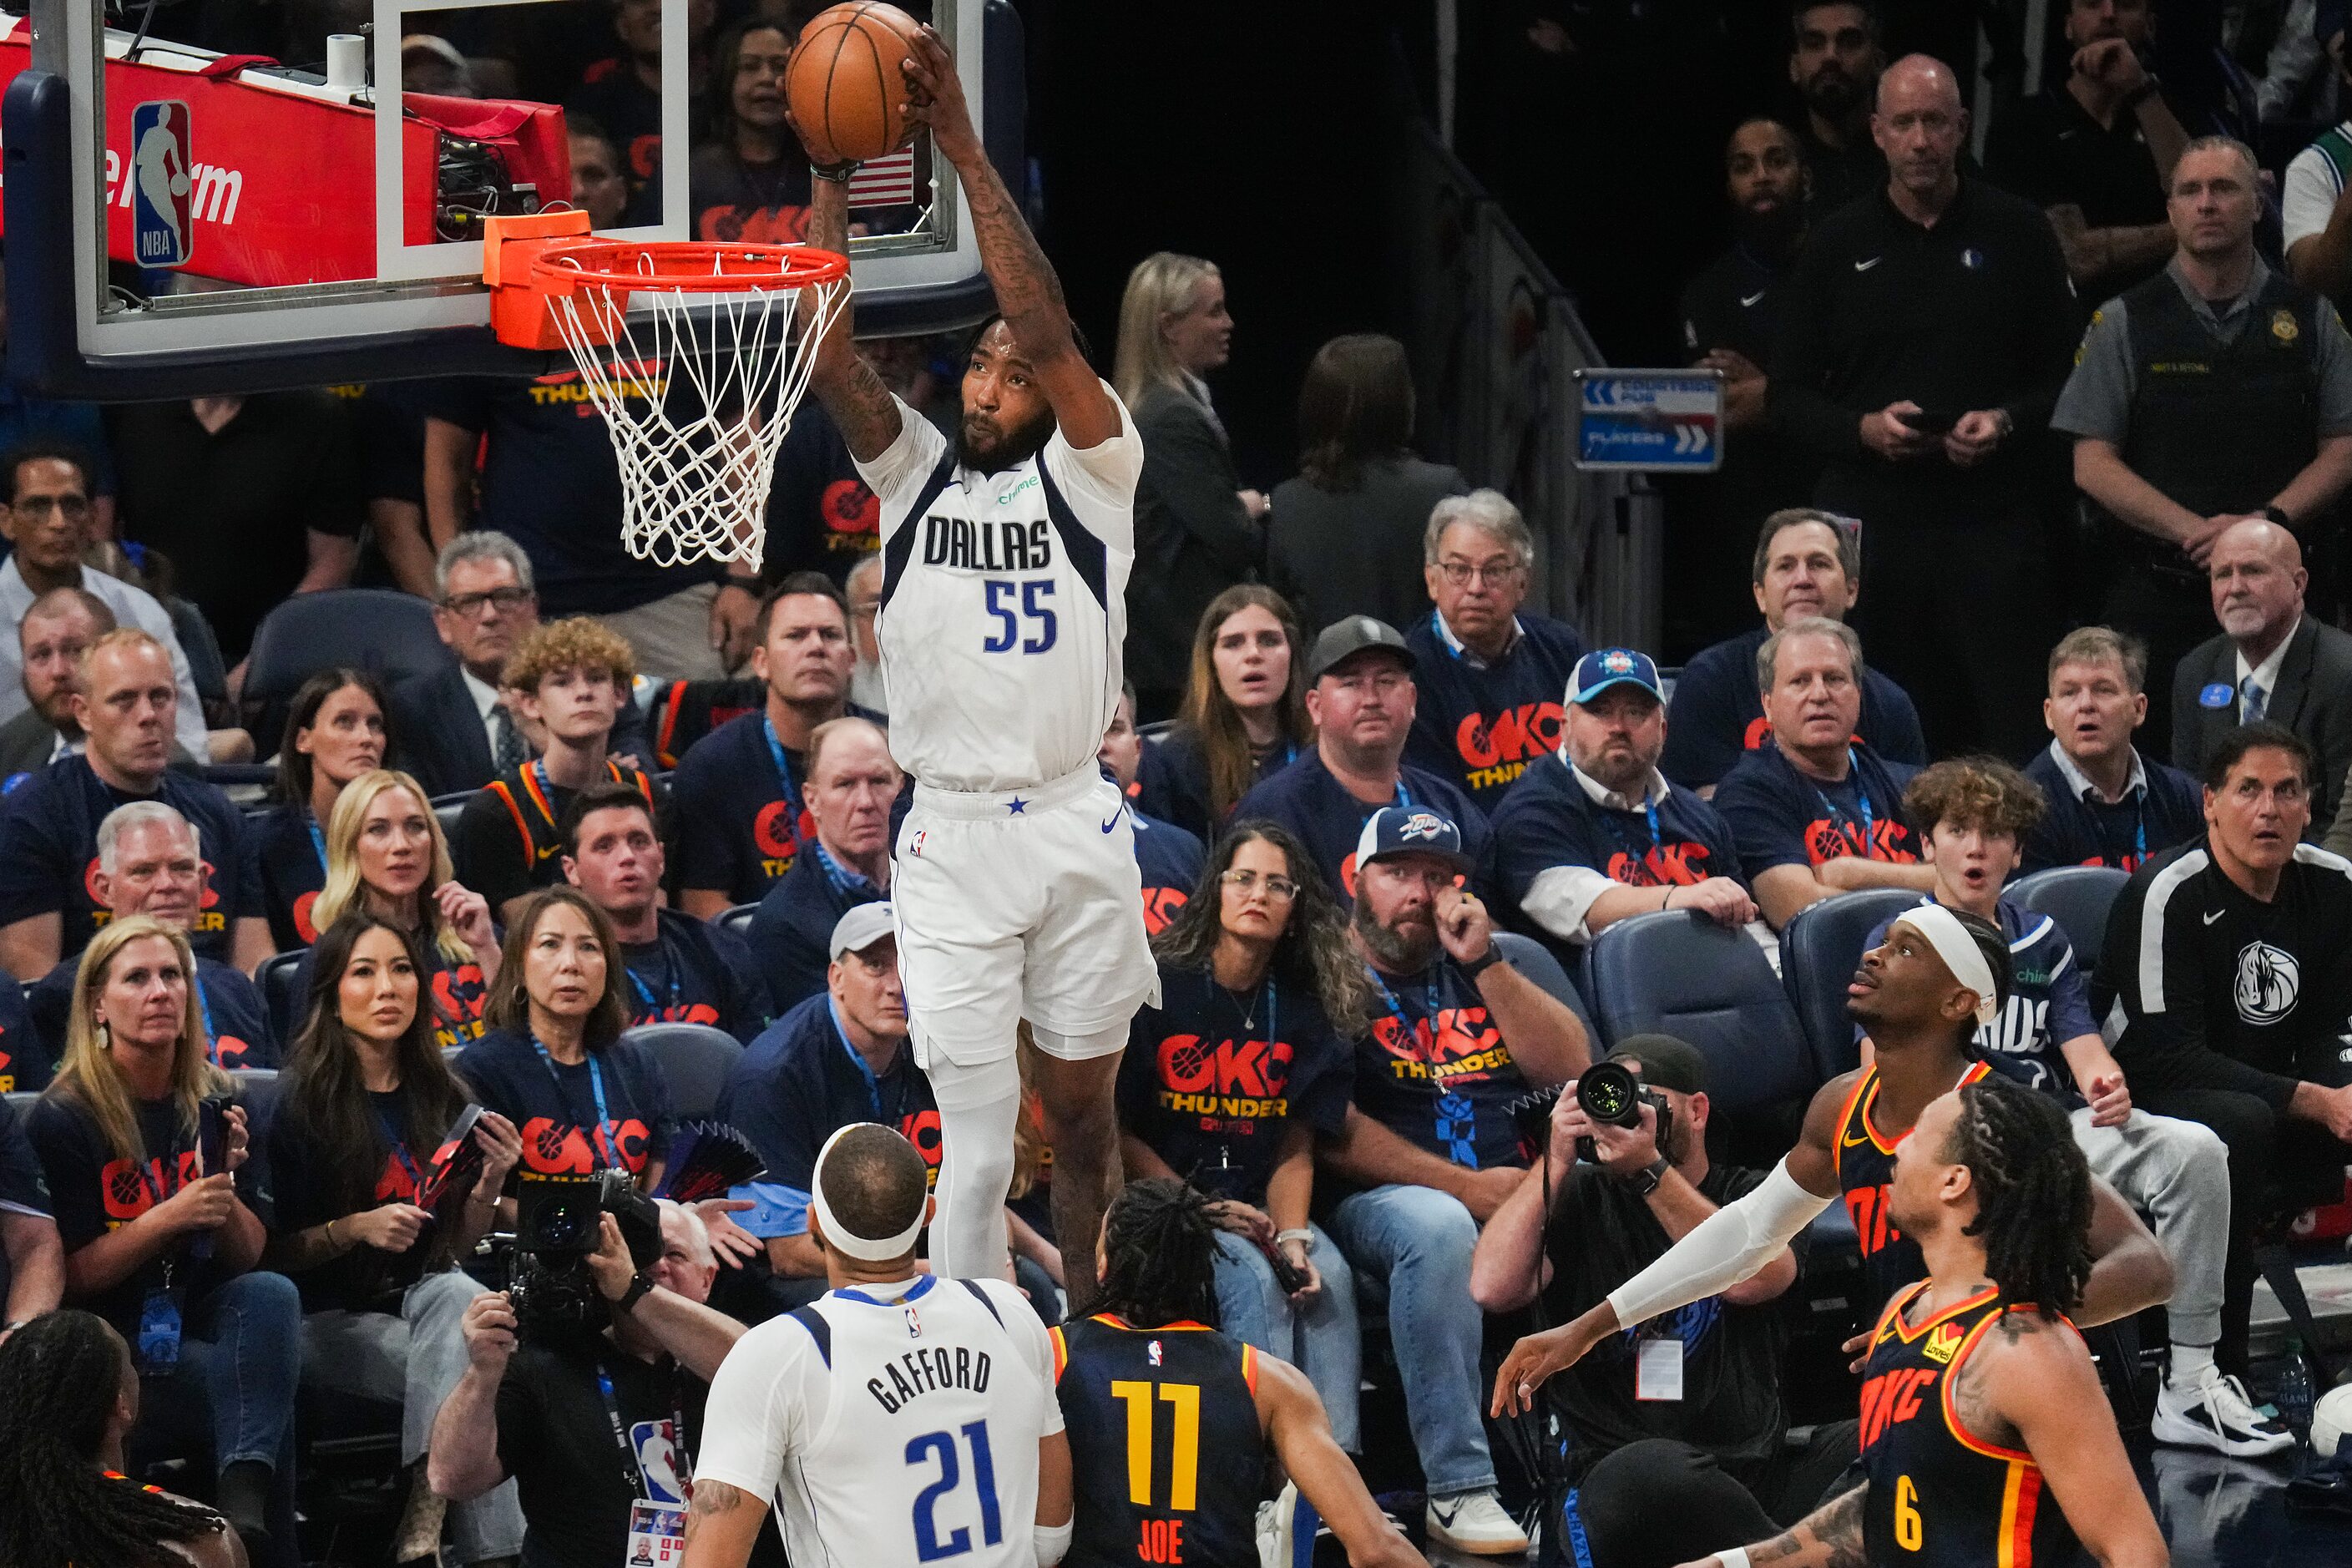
1780, 817
1479, 726
553, 1104
1171, 861
1435, 1071
1718, 713
48, 853
1305, 798
1549, 820
741, 821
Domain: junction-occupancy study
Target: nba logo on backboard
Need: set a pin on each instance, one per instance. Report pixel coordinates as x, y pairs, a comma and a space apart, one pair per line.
163, 187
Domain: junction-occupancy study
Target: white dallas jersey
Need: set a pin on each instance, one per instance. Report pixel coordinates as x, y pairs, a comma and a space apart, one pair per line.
1004, 604
891, 1430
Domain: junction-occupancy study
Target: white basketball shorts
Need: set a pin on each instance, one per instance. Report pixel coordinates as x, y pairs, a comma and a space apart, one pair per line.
1023, 904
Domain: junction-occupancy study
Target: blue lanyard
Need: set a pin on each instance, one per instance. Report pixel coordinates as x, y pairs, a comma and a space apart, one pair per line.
1861, 794
1454, 1118
1437, 629
1397, 1007
596, 1086
873, 1084
635, 1474
318, 839
205, 1011
670, 966
844, 883
392, 1135
783, 770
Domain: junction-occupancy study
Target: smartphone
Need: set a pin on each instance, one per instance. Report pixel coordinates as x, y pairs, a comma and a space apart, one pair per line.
1928, 423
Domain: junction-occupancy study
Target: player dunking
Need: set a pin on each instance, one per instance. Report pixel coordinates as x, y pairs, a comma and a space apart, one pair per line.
1980, 1408
1006, 558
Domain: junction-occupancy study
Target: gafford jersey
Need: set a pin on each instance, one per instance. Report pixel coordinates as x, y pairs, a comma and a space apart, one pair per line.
891, 1428
1004, 604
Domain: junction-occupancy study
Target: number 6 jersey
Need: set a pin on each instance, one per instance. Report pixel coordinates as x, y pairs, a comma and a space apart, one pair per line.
891, 1424
1004, 604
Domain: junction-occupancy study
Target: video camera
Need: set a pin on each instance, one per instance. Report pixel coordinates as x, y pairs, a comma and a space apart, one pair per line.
1609, 1092
558, 1221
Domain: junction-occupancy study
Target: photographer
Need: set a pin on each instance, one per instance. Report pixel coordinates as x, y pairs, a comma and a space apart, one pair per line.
1674, 1441
547, 1411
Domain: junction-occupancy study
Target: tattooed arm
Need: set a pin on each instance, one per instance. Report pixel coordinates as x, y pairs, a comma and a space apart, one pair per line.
722, 1524
1027, 291
1829, 1537
2031, 1385
852, 393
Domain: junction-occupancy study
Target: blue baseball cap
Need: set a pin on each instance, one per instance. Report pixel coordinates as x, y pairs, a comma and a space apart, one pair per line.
1599, 670
1396, 830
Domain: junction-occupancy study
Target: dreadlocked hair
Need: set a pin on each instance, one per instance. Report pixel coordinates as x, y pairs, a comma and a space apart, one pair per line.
59, 1378
1159, 1249
2033, 1193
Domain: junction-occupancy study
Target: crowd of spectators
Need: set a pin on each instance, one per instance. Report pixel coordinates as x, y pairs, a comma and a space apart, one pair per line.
1381, 801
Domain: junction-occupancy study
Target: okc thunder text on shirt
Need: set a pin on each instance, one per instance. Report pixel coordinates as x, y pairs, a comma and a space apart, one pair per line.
1478, 724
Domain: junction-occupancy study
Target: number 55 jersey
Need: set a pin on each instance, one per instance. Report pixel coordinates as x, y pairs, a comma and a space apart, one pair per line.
891, 1424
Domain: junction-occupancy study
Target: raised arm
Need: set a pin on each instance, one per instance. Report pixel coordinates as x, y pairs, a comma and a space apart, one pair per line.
1027, 291
861, 407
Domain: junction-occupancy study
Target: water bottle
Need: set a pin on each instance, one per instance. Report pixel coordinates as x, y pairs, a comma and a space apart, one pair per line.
2294, 1389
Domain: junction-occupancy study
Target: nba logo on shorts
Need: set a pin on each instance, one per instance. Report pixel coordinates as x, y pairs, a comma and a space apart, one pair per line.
162, 185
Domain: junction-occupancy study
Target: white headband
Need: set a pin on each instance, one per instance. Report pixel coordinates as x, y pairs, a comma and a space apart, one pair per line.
1959, 952
866, 1249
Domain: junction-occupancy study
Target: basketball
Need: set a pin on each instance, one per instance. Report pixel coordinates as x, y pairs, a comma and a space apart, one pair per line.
843, 84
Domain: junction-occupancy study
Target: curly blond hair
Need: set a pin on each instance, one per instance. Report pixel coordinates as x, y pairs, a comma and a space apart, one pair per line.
577, 641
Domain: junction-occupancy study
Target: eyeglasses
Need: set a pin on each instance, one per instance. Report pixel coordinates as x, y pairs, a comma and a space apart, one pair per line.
466, 606
1280, 889
1460, 573
75, 508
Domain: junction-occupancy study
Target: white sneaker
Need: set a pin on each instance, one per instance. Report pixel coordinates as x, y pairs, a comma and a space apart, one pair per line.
1475, 1522
2216, 1413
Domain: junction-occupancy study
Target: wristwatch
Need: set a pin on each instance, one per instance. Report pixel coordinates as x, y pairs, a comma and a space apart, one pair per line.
1483, 962
639, 1284
1645, 1181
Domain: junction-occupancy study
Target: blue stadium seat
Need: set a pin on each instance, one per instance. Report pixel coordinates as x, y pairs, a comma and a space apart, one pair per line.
21, 1101
1819, 951
2078, 899
256, 1090
737, 918
278, 977
390, 635
695, 1060
1535, 961
1680, 973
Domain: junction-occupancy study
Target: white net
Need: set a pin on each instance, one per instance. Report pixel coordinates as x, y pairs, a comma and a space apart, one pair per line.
697, 392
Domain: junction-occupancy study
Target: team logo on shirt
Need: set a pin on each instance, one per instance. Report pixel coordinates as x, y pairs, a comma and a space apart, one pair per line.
1495, 750
561, 1148
852, 517
1459, 1045
304, 927
778, 832
128, 1190
1159, 907
1827, 840
1229, 1084
2268, 981
1660, 866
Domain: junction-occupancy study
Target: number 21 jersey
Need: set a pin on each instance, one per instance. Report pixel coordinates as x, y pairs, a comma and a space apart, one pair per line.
1004, 604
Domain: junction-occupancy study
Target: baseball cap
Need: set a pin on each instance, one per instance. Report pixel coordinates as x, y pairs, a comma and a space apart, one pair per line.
1350, 636
1409, 830
1667, 1062
1597, 671
862, 926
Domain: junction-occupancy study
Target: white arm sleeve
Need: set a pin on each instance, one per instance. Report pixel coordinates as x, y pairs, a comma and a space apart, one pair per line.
1727, 1247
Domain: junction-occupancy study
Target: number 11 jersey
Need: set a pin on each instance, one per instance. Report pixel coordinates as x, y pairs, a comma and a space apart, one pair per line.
1004, 604
890, 1426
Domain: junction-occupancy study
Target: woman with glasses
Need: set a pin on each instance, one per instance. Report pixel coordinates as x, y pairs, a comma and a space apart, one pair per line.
553, 1062
334, 732
1244, 713
1226, 1082
385, 855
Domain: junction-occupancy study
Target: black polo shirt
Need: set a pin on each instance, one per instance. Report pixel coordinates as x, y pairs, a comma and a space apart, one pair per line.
2050, 151
1973, 313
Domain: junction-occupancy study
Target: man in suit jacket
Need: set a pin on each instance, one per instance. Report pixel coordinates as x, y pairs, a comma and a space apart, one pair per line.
2272, 662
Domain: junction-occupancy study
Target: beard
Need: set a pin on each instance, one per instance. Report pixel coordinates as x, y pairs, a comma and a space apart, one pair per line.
1016, 447
1400, 952
1832, 94
1774, 231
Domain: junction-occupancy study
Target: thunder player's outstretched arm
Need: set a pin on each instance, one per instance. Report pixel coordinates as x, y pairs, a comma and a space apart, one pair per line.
1300, 1436
2129, 1271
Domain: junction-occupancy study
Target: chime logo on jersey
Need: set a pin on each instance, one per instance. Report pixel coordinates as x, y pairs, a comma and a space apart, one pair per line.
2268, 981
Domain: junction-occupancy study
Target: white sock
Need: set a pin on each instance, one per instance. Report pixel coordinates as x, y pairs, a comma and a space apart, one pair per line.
2190, 1365
968, 1238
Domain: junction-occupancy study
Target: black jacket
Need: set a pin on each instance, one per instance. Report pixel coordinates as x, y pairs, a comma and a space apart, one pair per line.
1194, 538
2314, 699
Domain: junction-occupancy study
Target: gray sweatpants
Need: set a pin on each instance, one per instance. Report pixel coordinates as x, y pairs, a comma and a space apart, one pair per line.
414, 1361
2177, 1174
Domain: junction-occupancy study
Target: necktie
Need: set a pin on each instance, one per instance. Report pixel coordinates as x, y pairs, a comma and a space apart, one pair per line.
506, 750
2252, 700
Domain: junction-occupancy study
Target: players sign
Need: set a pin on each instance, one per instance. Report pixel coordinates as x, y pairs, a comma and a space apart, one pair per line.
1648, 419
163, 210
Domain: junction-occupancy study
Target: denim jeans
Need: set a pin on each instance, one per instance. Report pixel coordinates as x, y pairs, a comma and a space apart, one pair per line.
1418, 1240
233, 1391
414, 1361
1322, 1340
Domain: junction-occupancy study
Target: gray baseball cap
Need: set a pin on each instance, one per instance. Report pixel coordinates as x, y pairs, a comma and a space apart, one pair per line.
1343, 638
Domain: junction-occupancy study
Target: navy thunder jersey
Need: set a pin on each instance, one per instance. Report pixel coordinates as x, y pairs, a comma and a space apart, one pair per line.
1166, 1452
1865, 1167
1004, 604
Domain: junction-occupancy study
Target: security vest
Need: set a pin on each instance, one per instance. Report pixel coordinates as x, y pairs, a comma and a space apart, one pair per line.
2223, 427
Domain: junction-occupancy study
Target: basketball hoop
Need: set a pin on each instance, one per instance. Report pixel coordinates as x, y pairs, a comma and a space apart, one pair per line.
697, 460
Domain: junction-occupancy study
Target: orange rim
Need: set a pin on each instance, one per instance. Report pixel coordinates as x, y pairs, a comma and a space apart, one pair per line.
683, 267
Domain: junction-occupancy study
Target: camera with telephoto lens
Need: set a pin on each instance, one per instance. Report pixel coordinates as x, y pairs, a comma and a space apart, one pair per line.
558, 1221
1609, 1092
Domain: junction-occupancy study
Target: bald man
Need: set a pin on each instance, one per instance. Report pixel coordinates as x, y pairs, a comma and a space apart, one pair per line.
2216, 390
1925, 333
2272, 662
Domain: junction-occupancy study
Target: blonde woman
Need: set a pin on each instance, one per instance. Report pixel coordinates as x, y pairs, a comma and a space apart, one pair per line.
385, 855
1196, 528
159, 1241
